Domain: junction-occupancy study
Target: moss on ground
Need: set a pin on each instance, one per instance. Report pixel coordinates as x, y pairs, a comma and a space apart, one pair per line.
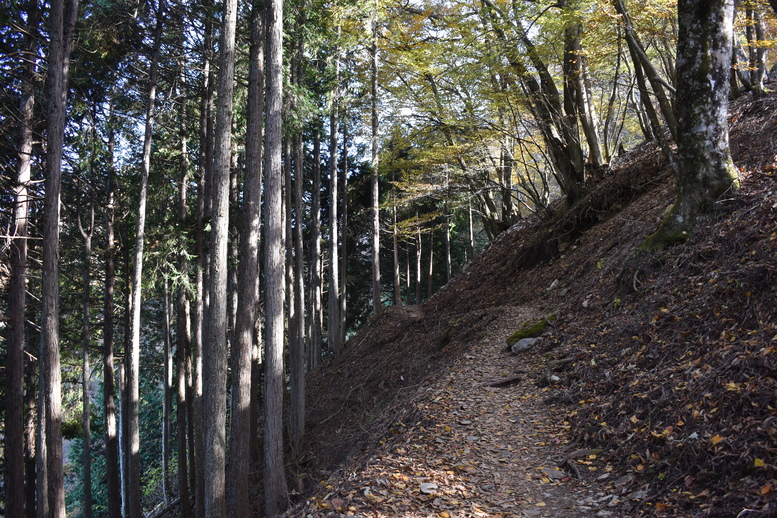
531, 329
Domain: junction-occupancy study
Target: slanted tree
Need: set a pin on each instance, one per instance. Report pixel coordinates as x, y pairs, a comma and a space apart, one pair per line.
704, 168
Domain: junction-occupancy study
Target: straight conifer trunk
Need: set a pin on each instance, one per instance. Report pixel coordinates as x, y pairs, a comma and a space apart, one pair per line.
61, 25
248, 274
134, 504
315, 257
275, 490
167, 393
109, 380
375, 178
86, 402
214, 361
333, 316
14, 395
201, 266
297, 352
183, 335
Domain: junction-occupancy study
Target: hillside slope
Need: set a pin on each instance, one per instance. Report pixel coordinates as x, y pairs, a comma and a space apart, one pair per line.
653, 392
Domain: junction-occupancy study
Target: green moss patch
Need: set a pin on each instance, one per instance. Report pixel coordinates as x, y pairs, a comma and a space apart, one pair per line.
531, 329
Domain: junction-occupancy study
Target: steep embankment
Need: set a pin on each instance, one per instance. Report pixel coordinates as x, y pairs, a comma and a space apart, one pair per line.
653, 392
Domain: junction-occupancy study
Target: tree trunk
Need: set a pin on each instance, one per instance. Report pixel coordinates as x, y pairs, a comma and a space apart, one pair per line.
86, 374
705, 170
344, 232
275, 490
214, 351
418, 249
134, 504
183, 333
167, 394
638, 54
14, 363
238, 496
62, 22
395, 248
333, 317
109, 381
430, 272
315, 257
297, 352
448, 262
30, 445
201, 266
375, 178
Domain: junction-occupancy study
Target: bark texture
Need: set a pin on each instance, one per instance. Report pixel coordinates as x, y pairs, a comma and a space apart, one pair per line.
214, 407
240, 425
705, 170
61, 25
275, 489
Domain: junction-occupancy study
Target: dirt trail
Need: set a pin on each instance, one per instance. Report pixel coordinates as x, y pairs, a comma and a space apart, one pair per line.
465, 449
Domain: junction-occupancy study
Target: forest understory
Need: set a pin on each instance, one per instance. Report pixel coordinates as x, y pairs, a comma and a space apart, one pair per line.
652, 392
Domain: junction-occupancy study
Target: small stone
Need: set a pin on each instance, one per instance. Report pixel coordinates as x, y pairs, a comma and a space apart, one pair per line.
428, 488
524, 344
622, 481
554, 474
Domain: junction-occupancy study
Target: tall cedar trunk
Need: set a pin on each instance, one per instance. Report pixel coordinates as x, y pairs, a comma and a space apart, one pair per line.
418, 249
375, 177
430, 272
122, 428
183, 333
395, 247
288, 244
275, 490
344, 232
471, 240
62, 22
201, 266
255, 135
134, 504
123, 391
448, 263
30, 439
14, 363
705, 170
238, 503
214, 350
297, 348
41, 452
315, 256
167, 393
109, 381
85, 339
333, 317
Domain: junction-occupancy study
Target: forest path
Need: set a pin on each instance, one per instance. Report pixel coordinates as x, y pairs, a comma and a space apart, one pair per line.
466, 449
